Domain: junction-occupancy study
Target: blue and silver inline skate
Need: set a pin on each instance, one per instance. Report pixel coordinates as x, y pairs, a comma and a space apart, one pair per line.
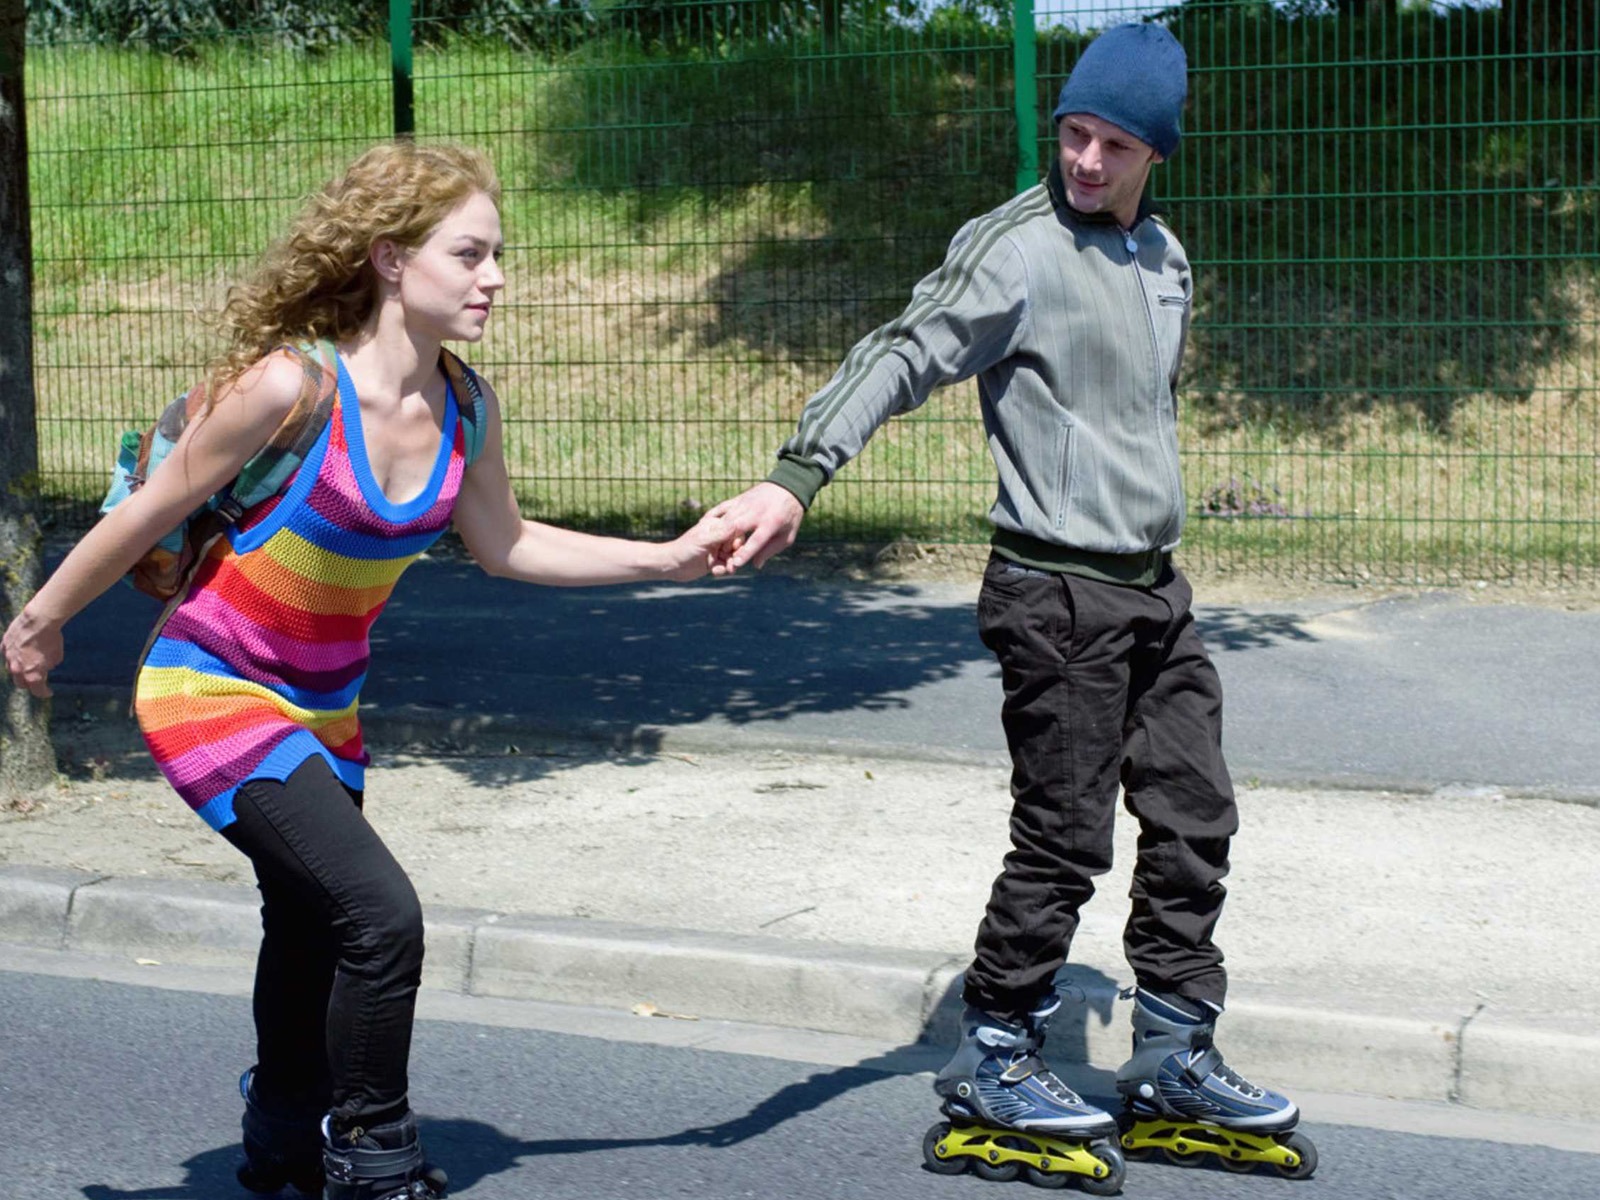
1010, 1115
1185, 1102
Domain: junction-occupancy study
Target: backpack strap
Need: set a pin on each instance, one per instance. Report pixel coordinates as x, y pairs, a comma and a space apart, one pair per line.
471, 408
265, 474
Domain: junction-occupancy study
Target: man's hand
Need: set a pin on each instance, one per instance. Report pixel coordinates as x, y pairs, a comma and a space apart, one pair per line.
763, 520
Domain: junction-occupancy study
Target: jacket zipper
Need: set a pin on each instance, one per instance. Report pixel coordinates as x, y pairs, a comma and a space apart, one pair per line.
1131, 244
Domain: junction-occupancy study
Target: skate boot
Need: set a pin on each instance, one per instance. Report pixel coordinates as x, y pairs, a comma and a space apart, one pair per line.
1010, 1115
282, 1142
1184, 1101
381, 1163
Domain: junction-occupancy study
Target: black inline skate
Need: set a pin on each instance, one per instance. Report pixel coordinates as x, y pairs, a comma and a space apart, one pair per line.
381, 1163
1186, 1103
1010, 1115
282, 1141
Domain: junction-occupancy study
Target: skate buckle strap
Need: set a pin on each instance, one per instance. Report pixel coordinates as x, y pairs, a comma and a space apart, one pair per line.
1199, 1068
1023, 1068
359, 1163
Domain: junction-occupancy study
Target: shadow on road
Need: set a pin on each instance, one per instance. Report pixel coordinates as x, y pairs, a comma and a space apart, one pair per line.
1229, 629
602, 669
472, 1150
207, 1176
600, 673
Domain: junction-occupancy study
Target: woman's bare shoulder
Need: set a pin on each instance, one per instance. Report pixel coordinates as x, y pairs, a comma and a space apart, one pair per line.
269, 388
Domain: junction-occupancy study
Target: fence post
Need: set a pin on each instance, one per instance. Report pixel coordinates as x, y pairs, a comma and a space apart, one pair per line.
1025, 60
405, 117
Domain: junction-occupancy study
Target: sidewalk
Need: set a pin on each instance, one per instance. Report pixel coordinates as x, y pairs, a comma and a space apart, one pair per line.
786, 806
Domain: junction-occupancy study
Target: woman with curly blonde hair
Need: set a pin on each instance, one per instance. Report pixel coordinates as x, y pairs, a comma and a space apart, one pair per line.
248, 694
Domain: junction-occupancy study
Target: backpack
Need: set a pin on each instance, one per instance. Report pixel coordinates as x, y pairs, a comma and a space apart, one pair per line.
167, 567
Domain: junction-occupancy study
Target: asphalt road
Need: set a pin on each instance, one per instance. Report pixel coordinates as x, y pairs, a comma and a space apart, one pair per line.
118, 1092
1417, 692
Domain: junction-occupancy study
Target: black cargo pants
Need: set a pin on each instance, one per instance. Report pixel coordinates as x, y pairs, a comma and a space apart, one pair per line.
1105, 685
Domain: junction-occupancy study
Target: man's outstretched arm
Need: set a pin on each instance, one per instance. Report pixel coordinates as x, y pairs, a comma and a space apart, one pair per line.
963, 317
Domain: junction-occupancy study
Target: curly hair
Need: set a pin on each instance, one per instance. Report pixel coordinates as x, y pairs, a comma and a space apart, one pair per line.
317, 281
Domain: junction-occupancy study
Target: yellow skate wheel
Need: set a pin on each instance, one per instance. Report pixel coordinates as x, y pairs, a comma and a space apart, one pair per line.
1184, 1154
1188, 1144
937, 1151
1302, 1146
1133, 1138
995, 1168
1116, 1171
1002, 1155
1055, 1172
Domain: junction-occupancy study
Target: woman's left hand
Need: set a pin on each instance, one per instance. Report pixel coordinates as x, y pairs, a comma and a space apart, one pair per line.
33, 649
702, 549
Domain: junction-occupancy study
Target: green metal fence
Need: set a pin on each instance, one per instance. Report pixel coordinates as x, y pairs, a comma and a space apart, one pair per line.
159, 166
1393, 215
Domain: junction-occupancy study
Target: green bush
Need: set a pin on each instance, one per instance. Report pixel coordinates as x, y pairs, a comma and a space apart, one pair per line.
178, 25
544, 25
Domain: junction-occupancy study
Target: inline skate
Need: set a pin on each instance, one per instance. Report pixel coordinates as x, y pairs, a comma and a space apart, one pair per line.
381, 1163
282, 1142
1185, 1102
1010, 1115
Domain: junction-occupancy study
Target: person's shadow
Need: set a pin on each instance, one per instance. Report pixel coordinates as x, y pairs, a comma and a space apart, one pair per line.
474, 1150
209, 1175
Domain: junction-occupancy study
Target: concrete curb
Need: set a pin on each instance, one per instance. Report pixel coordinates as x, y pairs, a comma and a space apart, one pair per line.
1475, 1058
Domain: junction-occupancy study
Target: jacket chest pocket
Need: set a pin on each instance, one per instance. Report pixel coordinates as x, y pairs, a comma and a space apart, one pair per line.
1170, 318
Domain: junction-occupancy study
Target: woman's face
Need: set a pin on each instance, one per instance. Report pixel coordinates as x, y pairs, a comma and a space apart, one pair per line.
448, 283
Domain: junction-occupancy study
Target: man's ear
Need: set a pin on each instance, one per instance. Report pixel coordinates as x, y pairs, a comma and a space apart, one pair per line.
386, 259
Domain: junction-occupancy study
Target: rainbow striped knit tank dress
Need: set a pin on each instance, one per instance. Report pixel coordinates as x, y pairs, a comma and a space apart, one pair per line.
259, 668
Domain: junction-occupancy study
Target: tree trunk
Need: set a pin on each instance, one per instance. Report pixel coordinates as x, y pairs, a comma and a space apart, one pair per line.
27, 760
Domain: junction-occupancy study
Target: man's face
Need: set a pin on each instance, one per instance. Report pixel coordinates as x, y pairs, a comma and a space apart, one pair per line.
1103, 165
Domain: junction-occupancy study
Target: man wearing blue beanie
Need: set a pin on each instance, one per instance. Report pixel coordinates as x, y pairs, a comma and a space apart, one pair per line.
1070, 305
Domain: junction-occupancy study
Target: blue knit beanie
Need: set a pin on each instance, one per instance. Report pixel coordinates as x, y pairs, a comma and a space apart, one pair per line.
1136, 77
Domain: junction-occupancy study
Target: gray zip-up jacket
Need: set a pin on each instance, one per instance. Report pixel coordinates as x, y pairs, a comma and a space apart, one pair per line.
1075, 330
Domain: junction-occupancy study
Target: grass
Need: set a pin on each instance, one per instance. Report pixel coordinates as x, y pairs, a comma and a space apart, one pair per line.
1395, 343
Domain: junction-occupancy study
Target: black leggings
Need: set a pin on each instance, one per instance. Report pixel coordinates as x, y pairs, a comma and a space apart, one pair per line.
341, 949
